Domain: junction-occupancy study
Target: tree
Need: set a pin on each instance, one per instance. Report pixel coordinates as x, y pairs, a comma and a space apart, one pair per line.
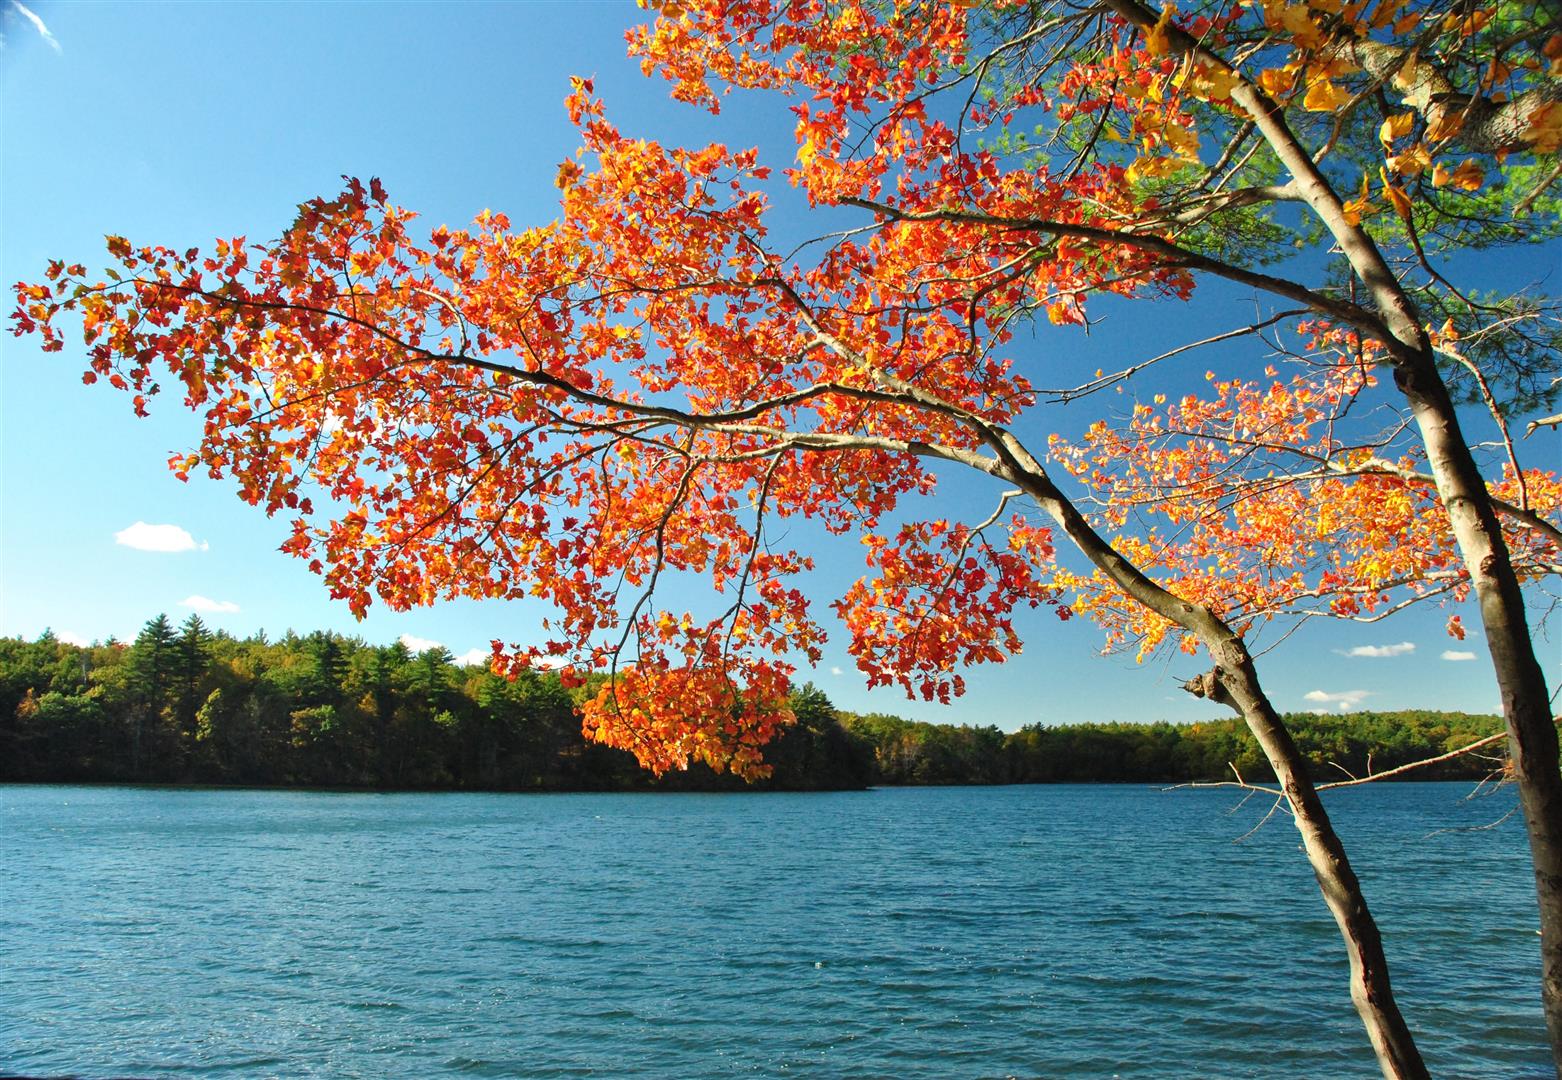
154, 660
1282, 89
648, 384
191, 663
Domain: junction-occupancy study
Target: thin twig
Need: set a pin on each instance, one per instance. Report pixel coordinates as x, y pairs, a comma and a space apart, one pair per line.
1417, 764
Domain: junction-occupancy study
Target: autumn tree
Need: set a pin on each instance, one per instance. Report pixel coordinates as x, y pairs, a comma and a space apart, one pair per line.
647, 385
1234, 131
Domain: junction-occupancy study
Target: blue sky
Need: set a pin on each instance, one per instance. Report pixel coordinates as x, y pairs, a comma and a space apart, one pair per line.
175, 123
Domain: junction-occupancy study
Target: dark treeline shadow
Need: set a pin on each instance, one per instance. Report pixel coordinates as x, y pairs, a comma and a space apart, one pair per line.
186, 705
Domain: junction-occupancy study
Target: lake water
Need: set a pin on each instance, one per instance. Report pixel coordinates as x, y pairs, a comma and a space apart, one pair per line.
951, 932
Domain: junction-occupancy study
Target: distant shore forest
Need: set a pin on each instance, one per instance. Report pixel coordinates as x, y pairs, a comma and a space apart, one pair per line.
184, 704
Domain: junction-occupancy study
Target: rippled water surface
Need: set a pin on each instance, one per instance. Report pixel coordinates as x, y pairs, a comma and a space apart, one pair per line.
1024, 931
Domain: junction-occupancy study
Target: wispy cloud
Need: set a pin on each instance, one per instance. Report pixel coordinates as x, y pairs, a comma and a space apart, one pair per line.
420, 644
144, 537
472, 657
1457, 654
1404, 648
836, 671
37, 24
1344, 700
208, 605
70, 638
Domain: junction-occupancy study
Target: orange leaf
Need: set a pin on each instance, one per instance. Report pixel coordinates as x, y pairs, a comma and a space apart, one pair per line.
1396, 127
1324, 96
1467, 177
1396, 195
1544, 133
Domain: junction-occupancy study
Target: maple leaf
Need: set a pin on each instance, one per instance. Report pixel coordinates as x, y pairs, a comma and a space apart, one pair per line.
1467, 177
1323, 96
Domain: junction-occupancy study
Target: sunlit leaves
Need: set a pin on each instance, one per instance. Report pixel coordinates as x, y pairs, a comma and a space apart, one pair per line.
1246, 499
941, 597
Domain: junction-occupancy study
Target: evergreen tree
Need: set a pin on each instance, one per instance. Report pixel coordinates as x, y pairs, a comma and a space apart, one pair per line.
192, 659
153, 661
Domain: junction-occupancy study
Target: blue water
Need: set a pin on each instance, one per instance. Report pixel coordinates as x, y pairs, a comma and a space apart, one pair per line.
956, 932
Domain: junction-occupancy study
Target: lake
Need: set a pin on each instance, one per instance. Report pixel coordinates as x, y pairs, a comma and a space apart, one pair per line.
1076, 931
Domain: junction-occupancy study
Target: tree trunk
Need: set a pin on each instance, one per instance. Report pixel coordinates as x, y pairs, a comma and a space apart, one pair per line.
1236, 684
1370, 990
1532, 735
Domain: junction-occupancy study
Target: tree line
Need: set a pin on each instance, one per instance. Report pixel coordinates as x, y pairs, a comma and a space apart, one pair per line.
1336, 747
185, 704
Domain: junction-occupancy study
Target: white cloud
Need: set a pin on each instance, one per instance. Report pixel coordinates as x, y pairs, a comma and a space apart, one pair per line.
1457, 654
1344, 700
836, 671
472, 656
144, 537
419, 644
37, 24
208, 605
1404, 648
70, 638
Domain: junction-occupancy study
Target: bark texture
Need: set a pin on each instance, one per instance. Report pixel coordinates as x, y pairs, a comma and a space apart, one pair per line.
1480, 125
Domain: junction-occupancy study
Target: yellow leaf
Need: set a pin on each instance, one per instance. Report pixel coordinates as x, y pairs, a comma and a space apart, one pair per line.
1150, 167
1361, 204
1385, 12
1407, 23
1395, 195
1467, 177
1277, 82
1293, 19
1324, 96
1475, 22
1156, 41
1545, 128
1184, 140
1209, 82
1445, 123
569, 172
1396, 127
1412, 162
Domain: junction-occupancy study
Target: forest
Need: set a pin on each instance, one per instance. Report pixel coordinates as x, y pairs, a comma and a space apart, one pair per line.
185, 704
